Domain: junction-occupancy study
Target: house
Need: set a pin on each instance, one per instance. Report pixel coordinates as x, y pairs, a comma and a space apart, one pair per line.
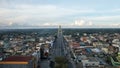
19, 62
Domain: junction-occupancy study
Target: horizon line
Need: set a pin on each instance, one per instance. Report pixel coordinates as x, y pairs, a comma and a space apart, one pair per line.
63, 28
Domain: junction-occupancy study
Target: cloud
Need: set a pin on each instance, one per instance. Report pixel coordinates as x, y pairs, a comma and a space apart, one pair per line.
82, 22
20, 14
90, 23
10, 23
79, 22
112, 25
50, 24
42, 10
105, 18
51, 15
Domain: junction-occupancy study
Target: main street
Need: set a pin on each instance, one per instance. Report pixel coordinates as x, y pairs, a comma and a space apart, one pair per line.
60, 48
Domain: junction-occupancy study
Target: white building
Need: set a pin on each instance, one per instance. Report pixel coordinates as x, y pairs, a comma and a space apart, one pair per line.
1, 42
89, 61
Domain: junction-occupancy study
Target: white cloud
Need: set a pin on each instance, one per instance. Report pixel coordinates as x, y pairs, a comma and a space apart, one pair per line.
50, 24
82, 22
111, 25
79, 22
107, 11
42, 10
90, 23
10, 23
86, 23
35, 15
46, 24
105, 18
20, 14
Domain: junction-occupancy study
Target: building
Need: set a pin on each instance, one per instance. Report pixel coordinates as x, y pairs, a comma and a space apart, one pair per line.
19, 62
89, 61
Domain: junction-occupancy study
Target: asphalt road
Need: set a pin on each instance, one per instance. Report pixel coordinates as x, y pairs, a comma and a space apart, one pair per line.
61, 48
58, 48
44, 64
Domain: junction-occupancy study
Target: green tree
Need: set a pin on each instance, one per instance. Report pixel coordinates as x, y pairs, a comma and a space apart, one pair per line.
61, 62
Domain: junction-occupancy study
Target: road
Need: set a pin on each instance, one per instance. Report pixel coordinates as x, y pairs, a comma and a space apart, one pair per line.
44, 64
60, 48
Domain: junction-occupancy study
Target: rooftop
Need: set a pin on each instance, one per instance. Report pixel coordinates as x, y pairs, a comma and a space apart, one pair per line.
19, 58
92, 59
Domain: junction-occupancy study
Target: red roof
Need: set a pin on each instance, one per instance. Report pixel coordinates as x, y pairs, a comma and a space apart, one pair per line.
19, 58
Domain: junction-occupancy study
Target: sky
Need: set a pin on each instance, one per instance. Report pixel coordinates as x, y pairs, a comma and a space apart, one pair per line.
52, 13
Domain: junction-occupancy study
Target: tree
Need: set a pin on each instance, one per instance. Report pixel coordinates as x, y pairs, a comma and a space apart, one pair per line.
61, 62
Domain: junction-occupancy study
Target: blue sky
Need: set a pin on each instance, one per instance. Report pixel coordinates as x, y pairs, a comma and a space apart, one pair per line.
68, 13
